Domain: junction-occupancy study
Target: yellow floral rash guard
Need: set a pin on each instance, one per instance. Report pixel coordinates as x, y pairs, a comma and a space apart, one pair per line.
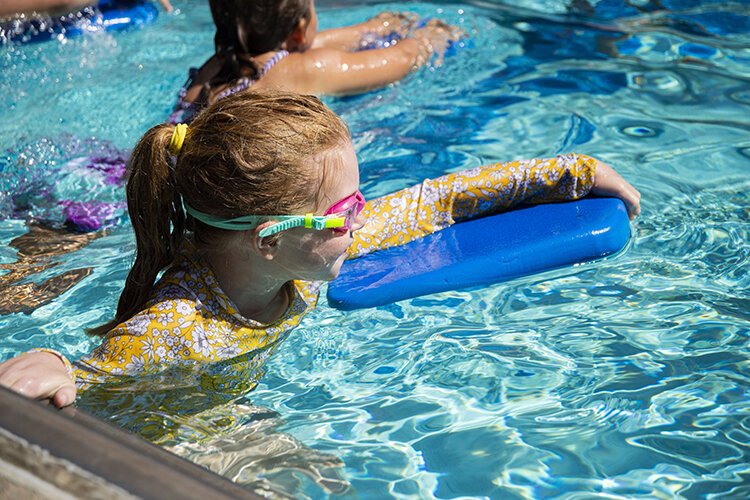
190, 323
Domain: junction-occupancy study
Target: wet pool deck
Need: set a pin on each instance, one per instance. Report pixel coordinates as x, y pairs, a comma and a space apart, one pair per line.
48, 453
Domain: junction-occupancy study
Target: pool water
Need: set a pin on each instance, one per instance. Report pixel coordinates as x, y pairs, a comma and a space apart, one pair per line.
627, 378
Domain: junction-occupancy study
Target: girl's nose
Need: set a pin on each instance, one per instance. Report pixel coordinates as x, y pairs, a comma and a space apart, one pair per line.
359, 221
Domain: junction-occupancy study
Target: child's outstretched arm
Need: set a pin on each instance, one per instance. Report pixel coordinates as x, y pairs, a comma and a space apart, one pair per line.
40, 375
133, 347
350, 37
435, 204
334, 71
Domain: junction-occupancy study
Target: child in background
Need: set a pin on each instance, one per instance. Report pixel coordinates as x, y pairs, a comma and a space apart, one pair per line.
247, 213
273, 43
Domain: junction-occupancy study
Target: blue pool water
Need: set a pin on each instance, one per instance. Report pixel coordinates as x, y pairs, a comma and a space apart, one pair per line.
628, 378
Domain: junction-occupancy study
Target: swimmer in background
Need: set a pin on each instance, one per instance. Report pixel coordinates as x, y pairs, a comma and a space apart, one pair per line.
276, 44
242, 217
12, 8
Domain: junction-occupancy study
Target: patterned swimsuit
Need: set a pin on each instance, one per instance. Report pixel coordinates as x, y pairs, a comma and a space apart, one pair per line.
184, 112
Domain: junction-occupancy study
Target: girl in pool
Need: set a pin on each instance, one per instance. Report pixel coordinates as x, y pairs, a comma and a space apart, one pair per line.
247, 212
273, 43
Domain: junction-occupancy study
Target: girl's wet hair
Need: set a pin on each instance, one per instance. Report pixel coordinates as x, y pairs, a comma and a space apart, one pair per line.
244, 29
254, 152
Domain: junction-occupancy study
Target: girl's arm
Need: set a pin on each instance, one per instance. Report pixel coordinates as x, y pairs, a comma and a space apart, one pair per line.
333, 71
329, 71
156, 337
348, 38
420, 210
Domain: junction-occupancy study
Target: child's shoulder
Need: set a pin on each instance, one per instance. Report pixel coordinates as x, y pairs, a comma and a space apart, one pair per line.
188, 280
314, 71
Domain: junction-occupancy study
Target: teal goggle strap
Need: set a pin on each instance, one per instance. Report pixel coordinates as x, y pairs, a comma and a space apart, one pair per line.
246, 222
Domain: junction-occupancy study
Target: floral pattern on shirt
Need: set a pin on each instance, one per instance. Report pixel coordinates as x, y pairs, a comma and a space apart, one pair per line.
189, 321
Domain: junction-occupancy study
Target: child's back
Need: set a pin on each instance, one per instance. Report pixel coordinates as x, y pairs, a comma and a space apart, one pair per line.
276, 44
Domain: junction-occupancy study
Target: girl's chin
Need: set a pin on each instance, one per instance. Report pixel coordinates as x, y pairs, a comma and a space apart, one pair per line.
336, 268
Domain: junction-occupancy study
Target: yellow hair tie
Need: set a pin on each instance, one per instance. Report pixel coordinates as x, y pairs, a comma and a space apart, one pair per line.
178, 137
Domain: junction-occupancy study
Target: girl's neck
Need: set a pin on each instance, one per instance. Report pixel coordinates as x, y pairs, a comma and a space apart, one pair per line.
257, 296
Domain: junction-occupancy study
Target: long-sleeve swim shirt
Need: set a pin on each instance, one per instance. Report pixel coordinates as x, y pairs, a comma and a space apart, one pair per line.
190, 322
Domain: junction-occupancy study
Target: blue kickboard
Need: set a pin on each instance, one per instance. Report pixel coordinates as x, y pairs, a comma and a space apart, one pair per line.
110, 15
482, 251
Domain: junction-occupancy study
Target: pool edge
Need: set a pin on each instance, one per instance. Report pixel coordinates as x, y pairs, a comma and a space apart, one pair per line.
71, 452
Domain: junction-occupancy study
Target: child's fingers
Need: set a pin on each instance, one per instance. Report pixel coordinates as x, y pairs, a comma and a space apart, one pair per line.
65, 396
634, 203
630, 196
607, 182
37, 375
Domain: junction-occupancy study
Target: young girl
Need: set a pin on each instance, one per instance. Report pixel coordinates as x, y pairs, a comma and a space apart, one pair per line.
272, 43
250, 210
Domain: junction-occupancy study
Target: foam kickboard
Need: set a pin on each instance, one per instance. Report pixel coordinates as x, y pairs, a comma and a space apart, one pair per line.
482, 251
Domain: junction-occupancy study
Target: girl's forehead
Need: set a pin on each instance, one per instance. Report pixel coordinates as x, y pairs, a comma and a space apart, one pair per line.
340, 174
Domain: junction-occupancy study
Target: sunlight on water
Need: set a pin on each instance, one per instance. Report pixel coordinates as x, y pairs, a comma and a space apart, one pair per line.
621, 379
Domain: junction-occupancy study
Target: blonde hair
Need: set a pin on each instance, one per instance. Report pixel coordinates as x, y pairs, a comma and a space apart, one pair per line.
249, 153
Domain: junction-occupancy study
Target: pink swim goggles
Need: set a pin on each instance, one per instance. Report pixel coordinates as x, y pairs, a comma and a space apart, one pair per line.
348, 208
340, 217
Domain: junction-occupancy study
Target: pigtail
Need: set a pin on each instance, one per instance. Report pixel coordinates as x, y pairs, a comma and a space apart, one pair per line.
232, 59
157, 216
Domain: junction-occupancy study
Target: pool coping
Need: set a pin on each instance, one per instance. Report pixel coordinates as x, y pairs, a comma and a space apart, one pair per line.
70, 453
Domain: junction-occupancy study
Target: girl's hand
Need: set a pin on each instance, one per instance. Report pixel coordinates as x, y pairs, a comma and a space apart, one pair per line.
434, 38
607, 182
39, 375
386, 23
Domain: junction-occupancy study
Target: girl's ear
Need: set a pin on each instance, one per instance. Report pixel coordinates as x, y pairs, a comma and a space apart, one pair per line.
267, 246
297, 38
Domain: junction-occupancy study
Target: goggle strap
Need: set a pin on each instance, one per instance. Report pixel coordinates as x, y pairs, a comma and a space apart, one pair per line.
308, 220
251, 221
293, 221
238, 224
